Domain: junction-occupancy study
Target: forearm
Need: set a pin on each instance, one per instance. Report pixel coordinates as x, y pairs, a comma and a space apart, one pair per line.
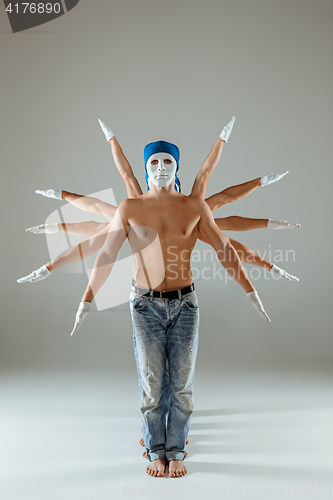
88, 228
231, 194
231, 262
116, 235
237, 223
102, 269
132, 186
90, 204
80, 251
214, 157
249, 256
241, 190
201, 181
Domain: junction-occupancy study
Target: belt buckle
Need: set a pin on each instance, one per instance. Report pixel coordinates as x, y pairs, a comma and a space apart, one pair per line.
161, 294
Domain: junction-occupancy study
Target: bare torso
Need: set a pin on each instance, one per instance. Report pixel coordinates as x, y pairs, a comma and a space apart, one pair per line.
163, 232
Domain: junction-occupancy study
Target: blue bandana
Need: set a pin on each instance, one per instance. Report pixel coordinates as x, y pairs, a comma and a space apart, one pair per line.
162, 147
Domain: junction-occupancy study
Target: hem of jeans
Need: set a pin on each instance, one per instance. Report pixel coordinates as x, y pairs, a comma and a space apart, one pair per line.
174, 455
156, 455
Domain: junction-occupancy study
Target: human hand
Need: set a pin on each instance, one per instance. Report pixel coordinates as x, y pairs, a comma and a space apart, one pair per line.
43, 229
269, 179
106, 130
256, 302
227, 130
50, 193
277, 272
281, 224
83, 310
38, 275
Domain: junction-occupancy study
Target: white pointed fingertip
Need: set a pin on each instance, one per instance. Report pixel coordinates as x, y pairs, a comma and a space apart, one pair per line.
267, 318
75, 328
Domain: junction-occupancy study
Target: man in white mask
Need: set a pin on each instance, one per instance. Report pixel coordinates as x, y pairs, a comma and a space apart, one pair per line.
162, 226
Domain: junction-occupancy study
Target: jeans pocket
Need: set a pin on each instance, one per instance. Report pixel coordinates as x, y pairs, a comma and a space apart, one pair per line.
191, 300
137, 301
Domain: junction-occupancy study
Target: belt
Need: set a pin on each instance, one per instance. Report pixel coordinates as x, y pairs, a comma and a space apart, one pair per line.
173, 294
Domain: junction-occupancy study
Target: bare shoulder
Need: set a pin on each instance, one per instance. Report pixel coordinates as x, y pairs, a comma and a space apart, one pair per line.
129, 204
198, 203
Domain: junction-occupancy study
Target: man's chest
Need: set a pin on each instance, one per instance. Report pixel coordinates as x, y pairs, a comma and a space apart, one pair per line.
173, 219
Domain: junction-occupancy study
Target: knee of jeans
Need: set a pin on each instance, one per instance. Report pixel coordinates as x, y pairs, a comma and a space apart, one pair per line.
150, 401
184, 402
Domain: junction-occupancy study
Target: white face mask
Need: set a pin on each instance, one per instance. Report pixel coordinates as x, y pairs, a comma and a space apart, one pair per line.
161, 168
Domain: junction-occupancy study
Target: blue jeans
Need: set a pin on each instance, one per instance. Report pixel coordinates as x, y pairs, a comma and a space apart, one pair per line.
165, 337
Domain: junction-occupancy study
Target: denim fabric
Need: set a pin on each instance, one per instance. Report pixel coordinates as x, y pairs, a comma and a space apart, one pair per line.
165, 338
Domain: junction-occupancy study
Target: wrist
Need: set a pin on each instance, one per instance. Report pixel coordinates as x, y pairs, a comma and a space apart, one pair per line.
87, 297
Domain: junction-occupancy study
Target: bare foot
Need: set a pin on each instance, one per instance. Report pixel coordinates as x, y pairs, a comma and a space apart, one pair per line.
144, 454
177, 468
156, 468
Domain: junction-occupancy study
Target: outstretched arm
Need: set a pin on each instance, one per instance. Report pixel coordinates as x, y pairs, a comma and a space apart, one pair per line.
86, 228
239, 191
228, 256
85, 203
250, 257
132, 185
90, 204
103, 264
232, 193
201, 181
78, 252
237, 223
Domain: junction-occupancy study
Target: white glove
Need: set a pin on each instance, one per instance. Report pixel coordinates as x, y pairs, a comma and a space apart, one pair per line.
83, 310
269, 179
277, 272
43, 229
256, 302
106, 130
50, 193
38, 275
281, 224
227, 130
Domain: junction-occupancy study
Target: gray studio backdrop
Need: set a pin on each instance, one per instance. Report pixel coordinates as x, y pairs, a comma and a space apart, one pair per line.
175, 70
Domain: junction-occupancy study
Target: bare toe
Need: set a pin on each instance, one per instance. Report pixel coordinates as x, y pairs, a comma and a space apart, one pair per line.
177, 468
142, 442
156, 468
